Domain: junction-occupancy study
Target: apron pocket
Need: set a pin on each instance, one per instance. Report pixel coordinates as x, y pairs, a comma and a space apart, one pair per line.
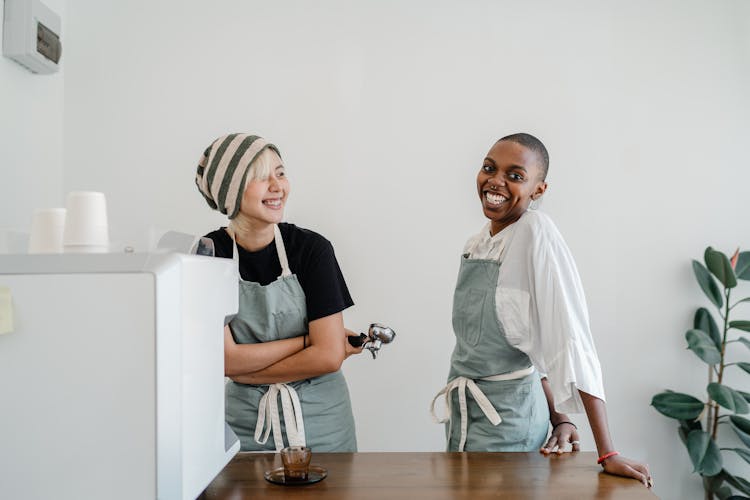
290, 323
468, 315
250, 331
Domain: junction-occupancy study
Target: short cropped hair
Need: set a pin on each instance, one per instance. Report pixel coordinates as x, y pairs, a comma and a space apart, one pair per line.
534, 144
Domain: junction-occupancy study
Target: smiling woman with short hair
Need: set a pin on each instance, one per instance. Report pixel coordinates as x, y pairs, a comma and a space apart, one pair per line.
519, 308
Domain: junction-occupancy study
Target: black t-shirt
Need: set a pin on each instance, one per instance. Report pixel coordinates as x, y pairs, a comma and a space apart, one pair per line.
310, 257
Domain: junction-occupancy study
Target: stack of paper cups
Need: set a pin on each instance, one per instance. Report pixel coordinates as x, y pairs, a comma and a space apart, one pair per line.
86, 229
47, 227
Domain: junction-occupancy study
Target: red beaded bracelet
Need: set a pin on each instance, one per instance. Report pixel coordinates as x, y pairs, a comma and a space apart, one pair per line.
606, 456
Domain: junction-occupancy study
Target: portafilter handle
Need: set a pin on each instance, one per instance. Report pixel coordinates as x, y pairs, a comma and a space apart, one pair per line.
377, 335
357, 341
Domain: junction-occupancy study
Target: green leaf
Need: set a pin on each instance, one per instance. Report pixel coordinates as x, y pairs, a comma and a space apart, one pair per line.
713, 483
704, 453
746, 299
745, 454
742, 269
744, 341
691, 425
745, 395
724, 493
744, 366
740, 325
686, 427
727, 397
719, 265
708, 284
703, 346
741, 427
737, 482
704, 321
683, 433
677, 405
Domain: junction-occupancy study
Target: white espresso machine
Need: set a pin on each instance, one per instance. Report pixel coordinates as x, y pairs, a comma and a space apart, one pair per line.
112, 375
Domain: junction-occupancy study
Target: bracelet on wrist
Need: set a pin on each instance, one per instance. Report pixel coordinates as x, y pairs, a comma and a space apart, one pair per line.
606, 456
564, 422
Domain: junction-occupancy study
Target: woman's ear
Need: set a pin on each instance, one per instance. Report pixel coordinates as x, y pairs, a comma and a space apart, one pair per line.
539, 191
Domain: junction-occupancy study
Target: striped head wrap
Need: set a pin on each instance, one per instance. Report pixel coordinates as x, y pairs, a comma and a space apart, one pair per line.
223, 169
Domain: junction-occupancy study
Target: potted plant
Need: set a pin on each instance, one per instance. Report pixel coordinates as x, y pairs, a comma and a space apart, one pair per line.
699, 418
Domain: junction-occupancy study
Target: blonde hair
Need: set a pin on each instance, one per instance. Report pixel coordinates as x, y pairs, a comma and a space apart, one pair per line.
263, 165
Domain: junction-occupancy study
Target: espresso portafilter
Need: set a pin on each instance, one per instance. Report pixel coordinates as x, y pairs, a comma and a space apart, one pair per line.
376, 336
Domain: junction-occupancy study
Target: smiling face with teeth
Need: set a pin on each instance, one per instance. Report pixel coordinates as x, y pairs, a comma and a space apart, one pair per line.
263, 200
511, 176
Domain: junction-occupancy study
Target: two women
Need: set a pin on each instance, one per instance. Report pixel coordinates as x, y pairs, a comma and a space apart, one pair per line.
523, 347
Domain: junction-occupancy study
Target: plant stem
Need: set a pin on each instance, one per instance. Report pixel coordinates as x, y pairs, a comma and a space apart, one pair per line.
710, 404
727, 293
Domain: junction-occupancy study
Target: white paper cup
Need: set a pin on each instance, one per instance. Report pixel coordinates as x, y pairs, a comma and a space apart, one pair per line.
47, 226
86, 229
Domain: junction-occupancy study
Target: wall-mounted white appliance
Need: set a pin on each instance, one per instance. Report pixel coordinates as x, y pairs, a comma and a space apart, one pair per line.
31, 35
112, 376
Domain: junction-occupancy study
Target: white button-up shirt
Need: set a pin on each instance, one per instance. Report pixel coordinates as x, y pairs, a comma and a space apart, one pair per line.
541, 305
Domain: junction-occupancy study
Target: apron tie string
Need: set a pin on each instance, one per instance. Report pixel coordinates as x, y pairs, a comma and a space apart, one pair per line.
268, 417
460, 384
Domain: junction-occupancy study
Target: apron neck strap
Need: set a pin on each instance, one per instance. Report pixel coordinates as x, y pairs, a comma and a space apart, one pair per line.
280, 252
502, 244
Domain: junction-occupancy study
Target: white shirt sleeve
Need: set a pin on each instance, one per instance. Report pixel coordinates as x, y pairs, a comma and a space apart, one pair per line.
541, 304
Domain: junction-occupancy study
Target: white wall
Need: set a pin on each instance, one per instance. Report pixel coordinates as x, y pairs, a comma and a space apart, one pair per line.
383, 112
31, 142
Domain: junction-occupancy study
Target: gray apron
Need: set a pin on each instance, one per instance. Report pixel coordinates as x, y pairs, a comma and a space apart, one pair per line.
316, 412
507, 410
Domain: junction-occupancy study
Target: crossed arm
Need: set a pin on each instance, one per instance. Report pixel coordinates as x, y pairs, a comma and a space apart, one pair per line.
287, 360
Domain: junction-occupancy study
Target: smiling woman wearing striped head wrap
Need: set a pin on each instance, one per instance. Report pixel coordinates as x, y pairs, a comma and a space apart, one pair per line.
288, 339
224, 168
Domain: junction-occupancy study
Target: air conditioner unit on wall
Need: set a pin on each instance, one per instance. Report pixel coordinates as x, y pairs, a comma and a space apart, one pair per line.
31, 35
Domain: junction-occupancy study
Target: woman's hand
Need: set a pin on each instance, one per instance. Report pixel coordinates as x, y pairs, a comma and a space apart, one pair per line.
621, 466
350, 349
563, 432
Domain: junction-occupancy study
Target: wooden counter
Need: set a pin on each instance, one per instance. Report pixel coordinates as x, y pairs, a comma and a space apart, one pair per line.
435, 476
